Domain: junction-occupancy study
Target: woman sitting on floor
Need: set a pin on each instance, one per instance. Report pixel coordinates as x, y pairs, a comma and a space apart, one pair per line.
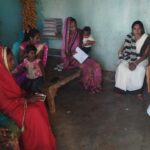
29, 113
133, 57
91, 76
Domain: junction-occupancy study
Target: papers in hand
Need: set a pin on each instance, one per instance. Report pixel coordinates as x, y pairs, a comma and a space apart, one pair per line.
80, 55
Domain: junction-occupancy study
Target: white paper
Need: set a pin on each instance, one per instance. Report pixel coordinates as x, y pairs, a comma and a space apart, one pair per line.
80, 55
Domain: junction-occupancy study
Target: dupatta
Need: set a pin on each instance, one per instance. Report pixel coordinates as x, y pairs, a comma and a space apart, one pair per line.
70, 41
10, 92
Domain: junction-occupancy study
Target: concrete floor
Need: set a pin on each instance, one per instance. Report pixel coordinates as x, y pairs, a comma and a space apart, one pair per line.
100, 122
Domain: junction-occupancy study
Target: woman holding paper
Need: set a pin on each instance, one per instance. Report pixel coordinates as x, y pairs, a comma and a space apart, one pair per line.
91, 76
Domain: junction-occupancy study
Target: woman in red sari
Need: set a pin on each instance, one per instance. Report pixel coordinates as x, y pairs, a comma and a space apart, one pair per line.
30, 116
91, 74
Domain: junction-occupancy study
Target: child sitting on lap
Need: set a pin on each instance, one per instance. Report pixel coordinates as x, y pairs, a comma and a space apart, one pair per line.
35, 71
88, 40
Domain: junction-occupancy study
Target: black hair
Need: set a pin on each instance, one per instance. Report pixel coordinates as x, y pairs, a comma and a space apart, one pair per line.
87, 29
31, 47
73, 20
9, 51
25, 37
140, 24
32, 33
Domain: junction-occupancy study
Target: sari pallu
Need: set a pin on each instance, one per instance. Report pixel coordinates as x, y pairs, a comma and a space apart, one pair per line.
37, 133
91, 74
69, 43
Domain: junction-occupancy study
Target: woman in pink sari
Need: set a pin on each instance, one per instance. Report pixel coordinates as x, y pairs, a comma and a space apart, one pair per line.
28, 113
33, 38
91, 74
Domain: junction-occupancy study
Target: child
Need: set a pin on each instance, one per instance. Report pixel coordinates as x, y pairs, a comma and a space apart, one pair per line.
33, 37
35, 71
88, 40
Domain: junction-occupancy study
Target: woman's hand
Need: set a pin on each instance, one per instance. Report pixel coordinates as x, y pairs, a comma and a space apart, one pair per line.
85, 44
132, 66
33, 98
89, 42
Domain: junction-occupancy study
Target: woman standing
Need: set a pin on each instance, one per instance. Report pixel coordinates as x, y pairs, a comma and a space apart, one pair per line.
29, 113
91, 76
133, 57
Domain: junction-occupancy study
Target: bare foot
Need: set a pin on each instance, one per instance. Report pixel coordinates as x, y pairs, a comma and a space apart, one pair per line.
118, 94
140, 97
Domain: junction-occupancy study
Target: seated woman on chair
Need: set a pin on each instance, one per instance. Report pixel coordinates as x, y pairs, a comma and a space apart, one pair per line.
133, 55
28, 113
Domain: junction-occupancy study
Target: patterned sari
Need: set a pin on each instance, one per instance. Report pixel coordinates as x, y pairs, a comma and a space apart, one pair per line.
91, 74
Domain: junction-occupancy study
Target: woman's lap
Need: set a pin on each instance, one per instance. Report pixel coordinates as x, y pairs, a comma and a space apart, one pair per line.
128, 80
37, 128
33, 85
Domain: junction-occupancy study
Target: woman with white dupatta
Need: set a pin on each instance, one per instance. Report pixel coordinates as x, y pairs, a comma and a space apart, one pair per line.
133, 55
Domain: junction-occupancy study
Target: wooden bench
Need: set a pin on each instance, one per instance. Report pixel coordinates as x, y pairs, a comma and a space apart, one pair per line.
51, 88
